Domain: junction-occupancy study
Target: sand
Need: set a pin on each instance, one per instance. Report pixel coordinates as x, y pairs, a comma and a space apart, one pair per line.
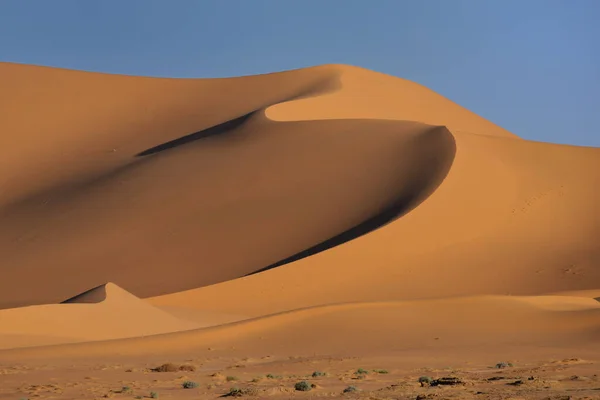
329, 217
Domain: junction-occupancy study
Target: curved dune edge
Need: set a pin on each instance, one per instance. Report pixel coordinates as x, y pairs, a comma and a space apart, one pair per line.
103, 313
457, 322
431, 151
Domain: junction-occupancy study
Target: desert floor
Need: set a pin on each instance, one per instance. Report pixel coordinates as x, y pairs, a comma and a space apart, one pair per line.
272, 377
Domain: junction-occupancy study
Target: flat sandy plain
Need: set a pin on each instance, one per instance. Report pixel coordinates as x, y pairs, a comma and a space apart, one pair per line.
255, 230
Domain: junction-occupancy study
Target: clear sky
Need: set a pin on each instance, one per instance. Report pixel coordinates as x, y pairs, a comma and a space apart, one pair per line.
530, 66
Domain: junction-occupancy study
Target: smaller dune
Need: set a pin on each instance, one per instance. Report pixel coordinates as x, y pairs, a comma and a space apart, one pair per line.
459, 328
102, 313
590, 294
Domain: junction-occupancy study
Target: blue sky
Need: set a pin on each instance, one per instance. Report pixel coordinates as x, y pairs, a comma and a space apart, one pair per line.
531, 66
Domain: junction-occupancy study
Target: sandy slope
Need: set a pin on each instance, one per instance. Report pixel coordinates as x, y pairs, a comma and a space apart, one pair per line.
512, 217
367, 202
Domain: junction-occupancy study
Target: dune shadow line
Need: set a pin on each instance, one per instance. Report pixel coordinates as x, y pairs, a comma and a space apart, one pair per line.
401, 206
89, 296
212, 131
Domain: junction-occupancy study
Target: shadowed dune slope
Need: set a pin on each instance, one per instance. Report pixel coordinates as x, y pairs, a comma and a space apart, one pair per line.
113, 314
194, 215
113, 186
497, 322
96, 295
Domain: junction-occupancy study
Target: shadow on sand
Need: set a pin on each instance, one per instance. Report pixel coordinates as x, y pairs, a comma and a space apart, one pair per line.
212, 131
402, 205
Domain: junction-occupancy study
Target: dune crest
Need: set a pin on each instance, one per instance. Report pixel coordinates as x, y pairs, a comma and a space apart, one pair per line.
365, 94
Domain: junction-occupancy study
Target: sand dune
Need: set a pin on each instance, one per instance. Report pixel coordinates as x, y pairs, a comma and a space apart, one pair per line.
86, 183
105, 312
267, 214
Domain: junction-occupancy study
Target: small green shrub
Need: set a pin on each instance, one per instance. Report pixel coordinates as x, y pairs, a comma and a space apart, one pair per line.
271, 376
503, 365
361, 371
126, 389
234, 392
381, 371
318, 373
303, 386
425, 380
189, 385
350, 389
153, 395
